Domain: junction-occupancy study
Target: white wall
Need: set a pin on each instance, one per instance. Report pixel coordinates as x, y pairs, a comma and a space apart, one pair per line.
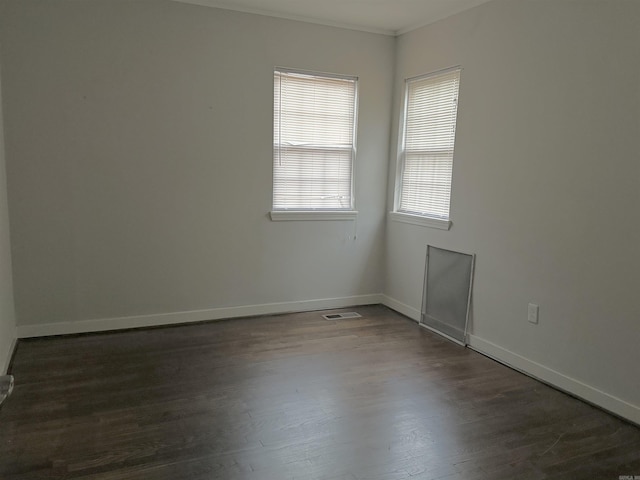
139, 151
7, 312
546, 187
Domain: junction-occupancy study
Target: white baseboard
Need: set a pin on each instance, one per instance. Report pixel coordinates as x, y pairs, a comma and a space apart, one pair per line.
7, 360
400, 307
563, 382
137, 321
533, 369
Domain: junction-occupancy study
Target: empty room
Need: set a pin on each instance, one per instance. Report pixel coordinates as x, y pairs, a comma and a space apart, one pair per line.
319, 240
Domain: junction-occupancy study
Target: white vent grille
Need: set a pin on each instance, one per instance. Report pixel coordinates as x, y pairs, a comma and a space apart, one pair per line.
341, 316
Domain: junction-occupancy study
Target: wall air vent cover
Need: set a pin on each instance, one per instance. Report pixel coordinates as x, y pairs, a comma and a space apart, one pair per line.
341, 316
446, 300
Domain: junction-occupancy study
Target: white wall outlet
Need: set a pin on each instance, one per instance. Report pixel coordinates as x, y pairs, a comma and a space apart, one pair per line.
532, 313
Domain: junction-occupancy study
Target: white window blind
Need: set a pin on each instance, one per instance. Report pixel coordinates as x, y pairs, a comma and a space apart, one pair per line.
428, 142
313, 141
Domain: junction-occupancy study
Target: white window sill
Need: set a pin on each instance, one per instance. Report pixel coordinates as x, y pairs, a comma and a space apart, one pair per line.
313, 215
420, 220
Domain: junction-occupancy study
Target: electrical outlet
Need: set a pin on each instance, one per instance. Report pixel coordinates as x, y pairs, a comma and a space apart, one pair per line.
532, 313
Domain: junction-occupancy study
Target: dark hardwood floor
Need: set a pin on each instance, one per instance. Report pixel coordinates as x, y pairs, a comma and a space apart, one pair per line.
294, 397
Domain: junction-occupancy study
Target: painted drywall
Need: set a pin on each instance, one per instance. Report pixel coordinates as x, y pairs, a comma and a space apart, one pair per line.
139, 159
7, 311
545, 184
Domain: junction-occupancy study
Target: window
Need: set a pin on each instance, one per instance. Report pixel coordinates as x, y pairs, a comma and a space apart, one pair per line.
426, 158
314, 122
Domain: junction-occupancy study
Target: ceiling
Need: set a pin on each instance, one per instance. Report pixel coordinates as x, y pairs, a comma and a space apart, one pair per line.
390, 17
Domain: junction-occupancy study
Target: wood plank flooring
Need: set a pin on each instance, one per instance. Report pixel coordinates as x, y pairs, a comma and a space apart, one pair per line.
294, 397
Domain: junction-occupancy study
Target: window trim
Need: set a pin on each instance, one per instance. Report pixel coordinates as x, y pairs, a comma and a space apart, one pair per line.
350, 213
304, 215
420, 220
396, 215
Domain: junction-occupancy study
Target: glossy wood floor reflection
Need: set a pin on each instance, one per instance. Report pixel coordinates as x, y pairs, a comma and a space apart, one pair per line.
294, 397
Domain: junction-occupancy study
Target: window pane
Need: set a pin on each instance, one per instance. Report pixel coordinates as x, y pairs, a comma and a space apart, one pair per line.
314, 122
426, 187
312, 178
429, 137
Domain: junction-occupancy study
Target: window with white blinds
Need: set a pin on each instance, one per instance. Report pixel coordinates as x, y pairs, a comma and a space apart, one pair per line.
429, 132
314, 117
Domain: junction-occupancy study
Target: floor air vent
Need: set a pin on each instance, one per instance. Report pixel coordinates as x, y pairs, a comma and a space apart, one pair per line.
341, 316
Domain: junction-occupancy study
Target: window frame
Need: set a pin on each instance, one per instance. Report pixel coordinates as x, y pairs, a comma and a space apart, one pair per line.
424, 220
301, 213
